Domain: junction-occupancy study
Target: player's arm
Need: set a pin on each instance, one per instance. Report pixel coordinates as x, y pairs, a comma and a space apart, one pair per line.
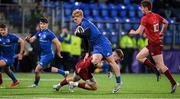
22, 44
82, 33
58, 46
164, 26
138, 31
86, 46
30, 39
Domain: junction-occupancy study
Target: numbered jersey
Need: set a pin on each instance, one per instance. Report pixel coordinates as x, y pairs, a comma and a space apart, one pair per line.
151, 21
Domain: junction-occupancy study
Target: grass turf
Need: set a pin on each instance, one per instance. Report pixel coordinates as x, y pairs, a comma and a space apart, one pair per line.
134, 86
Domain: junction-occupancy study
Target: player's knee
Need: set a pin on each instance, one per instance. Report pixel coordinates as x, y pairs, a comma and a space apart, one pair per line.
37, 71
139, 58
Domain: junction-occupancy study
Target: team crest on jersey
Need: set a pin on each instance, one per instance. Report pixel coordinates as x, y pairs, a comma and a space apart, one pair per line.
108, 54
43, 36
8, 40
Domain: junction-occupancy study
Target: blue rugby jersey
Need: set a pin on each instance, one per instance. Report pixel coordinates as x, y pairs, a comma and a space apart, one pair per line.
45, 38
7, 45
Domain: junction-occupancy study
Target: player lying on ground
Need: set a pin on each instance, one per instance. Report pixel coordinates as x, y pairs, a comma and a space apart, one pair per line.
7, 53
84, 70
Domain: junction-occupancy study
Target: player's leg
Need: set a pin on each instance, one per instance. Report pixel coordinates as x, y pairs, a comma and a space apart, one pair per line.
6, 63
160, 63
141, 57
2, 63
44, 62
38, 70
116, 70
66, 81
90, 84
11, 75
1, 79
59, 71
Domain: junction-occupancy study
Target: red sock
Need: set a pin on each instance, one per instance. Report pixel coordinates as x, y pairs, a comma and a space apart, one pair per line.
82, 85
64, 82
169, 76
1, 81
150, 65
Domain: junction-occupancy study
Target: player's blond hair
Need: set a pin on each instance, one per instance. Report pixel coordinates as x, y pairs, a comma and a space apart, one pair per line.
77, 12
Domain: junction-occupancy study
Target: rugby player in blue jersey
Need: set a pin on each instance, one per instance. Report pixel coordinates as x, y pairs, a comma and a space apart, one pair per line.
7, 53
102, 47
46, 37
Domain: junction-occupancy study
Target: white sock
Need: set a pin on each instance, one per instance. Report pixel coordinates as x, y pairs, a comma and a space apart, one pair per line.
76, 84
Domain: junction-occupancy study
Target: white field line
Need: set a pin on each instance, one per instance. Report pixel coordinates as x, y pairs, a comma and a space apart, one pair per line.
25, 97
28, 79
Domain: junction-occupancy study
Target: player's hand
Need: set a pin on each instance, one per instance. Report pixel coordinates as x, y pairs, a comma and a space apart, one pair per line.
20, 56
79, 29
27, 38
86, 56
131, 32
59, 55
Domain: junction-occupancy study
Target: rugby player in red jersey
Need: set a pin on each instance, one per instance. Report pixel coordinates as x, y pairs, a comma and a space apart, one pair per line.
150, 24
84, 70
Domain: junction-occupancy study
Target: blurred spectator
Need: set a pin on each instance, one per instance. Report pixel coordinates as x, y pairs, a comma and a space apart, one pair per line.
33, 20
75, 50
128, 45
65, 39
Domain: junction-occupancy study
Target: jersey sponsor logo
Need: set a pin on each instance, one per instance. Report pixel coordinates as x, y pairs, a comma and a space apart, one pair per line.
108, 54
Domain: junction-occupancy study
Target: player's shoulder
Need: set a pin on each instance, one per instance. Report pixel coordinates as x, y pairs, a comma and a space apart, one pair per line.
12, 35
85, 22
49, 32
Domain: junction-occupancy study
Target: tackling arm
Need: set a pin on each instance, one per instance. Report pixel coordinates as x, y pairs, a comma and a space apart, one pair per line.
82, 33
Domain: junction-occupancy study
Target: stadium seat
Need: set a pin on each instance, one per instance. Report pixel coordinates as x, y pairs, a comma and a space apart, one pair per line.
114, 37
103, 6
127, 2
109, 25
97, 18
114, 13
127, 27
104, 13
67, 12
57, 4
86, 12
122, 10
93, 6
177, 40
112, 6
67, 5
100, 25
58, 15
95, 12
139, 13
168, 38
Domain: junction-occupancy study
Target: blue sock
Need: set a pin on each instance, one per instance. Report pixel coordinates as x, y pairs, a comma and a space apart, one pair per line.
118, 79
61, 72
12, 76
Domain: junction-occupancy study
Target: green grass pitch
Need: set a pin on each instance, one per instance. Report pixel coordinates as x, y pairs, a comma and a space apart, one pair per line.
135, 86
